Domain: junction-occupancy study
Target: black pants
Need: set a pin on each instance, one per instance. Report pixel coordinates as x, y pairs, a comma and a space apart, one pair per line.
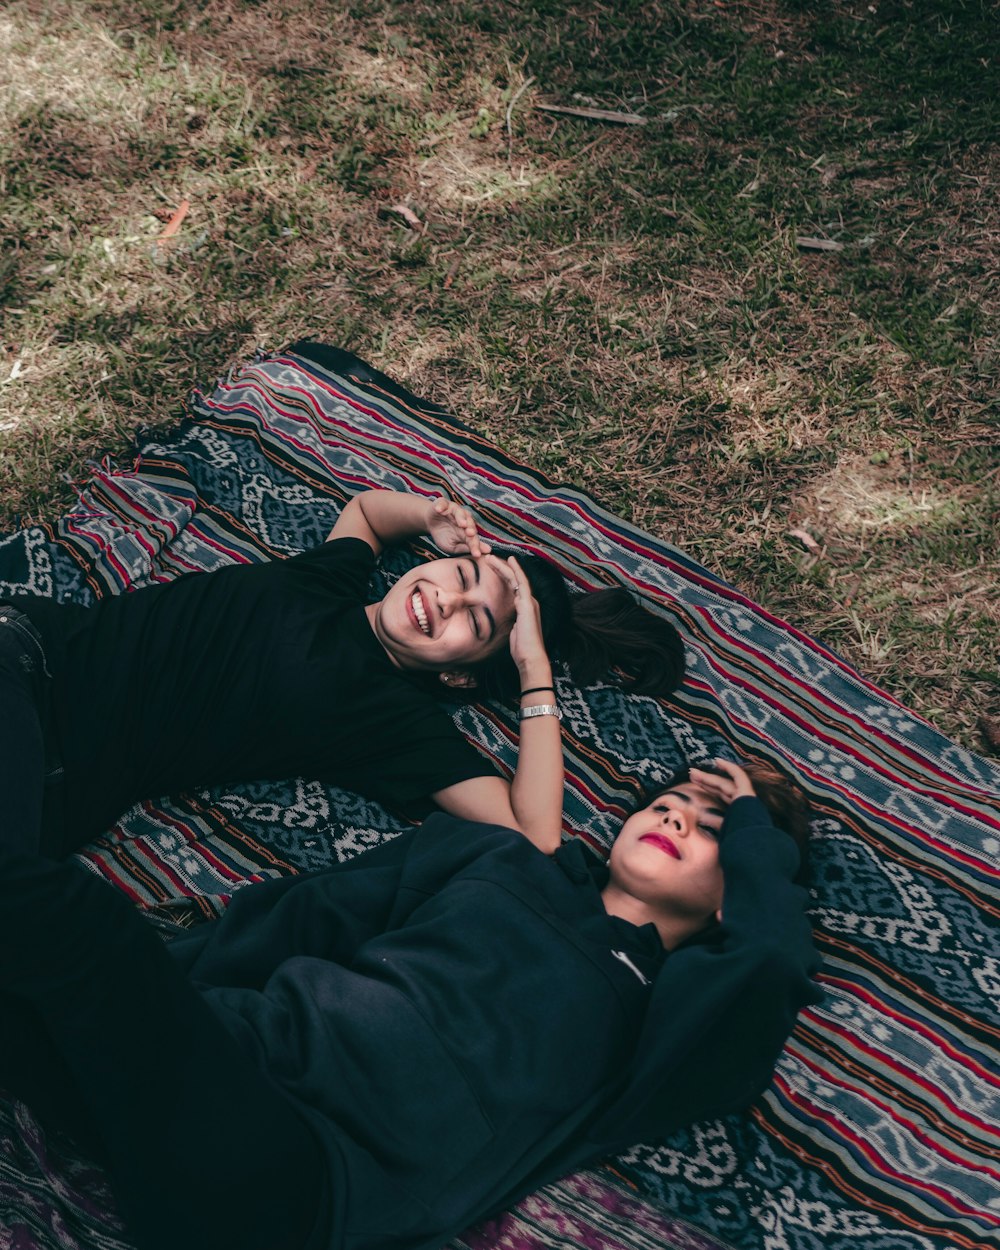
24, 742
100, 1029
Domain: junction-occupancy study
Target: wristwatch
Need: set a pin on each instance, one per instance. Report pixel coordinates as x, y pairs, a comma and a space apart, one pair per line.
541, 709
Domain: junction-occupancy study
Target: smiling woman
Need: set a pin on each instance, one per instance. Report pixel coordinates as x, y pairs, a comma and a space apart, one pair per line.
296, 674
398, 1036
446, 612
480, 623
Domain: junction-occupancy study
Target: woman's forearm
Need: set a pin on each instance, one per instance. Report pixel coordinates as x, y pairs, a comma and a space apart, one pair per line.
536, 789
382, 517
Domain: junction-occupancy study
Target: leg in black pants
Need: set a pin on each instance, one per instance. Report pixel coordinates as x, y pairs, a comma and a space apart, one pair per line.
22, 749
103, 1033
203, 1151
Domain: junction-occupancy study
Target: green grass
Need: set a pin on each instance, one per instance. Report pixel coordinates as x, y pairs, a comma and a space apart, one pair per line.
629, 309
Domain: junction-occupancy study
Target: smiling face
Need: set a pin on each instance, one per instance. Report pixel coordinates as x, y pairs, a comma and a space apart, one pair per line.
665, 861
445, 615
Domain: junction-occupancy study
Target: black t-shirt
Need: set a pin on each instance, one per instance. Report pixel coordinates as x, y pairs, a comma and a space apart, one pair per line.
251, 672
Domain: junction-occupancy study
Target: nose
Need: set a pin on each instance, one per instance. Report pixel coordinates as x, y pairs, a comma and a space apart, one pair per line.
677, 820
449, 601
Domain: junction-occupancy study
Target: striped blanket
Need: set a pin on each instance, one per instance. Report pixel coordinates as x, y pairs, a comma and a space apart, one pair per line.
879, 1131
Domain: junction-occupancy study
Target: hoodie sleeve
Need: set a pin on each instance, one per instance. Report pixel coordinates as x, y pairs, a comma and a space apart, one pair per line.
722, 1010
327, 914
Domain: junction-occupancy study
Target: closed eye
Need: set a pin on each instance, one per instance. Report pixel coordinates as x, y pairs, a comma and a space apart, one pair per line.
713, 828
463, 582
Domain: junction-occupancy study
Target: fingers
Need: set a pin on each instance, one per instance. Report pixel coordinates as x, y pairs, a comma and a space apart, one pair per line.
710, 781
727, 780
465, 533
521, 583
517, 580
526, 642
510, 571
722, 790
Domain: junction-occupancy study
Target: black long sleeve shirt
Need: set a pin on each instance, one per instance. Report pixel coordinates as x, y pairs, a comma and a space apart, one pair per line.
461, 1020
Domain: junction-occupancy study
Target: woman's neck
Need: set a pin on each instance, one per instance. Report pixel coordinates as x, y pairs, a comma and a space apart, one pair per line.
672, 929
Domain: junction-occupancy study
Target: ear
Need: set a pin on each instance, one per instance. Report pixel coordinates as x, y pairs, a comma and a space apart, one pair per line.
718, 916
458, 679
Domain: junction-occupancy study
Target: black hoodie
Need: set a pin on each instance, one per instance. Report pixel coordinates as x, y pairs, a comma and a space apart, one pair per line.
460, 1020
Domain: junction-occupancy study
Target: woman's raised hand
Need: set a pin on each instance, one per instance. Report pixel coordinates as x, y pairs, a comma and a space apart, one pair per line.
727, 781
527, 647
453, 529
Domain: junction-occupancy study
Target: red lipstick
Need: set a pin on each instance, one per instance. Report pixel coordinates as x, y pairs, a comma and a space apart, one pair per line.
662, 842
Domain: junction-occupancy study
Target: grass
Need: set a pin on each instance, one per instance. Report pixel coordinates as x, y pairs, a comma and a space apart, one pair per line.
628, 308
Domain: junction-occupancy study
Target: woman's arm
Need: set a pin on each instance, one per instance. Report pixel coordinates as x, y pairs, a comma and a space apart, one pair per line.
381, 517
721, 1010
532, 801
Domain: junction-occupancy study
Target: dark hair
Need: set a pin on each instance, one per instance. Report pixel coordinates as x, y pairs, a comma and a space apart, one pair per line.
593, 633
782, 797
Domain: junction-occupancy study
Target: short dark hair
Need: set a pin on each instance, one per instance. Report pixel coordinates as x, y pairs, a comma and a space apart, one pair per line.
783, 798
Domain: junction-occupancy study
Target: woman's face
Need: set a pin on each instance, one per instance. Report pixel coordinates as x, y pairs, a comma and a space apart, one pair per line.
667, 854
446, 614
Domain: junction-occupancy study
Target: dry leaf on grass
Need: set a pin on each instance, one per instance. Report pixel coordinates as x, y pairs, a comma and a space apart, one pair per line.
403, 211
174, 224
807, 540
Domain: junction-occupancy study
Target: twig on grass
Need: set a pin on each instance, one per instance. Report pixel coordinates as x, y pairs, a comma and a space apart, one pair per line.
597, 115
818, 245
510, 110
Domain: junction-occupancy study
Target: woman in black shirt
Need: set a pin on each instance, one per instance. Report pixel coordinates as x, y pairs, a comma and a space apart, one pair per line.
375, 1056
283, 669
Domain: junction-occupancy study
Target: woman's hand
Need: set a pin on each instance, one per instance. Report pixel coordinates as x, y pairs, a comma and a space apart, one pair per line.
527, 648
453, 529
727, 782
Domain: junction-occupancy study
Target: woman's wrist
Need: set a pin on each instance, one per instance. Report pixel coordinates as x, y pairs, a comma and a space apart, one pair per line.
536, 675
430, 513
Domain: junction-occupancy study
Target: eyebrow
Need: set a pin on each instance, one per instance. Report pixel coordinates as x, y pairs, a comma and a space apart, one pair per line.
714, 811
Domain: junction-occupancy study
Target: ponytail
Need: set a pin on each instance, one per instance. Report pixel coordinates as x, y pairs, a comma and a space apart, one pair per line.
611, 630
594, 633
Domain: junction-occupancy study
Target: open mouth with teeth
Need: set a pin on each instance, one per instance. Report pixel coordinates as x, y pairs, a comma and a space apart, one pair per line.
420, 612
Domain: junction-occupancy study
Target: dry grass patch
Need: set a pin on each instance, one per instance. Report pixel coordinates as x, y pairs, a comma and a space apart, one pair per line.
81, 70
628, 310
461, 175
858, 499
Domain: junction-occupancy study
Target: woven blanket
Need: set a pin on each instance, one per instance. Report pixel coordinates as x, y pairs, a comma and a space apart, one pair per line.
879, 1131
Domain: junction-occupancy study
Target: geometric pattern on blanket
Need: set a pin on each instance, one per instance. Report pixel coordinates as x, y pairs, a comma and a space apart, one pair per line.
880, 1130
